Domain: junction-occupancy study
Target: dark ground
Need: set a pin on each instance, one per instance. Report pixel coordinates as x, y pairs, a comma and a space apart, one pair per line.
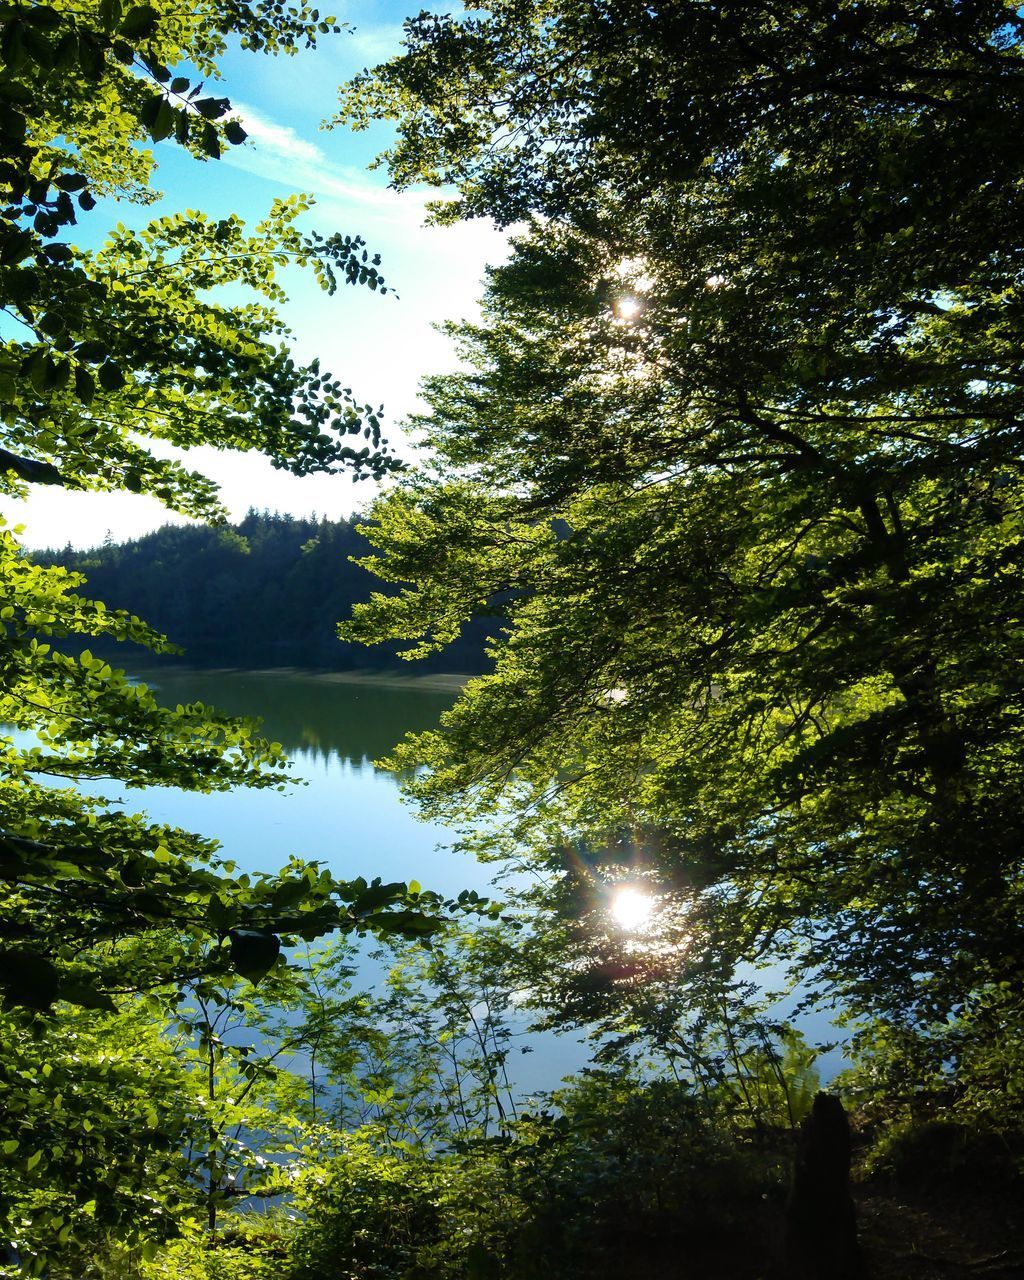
903, 1235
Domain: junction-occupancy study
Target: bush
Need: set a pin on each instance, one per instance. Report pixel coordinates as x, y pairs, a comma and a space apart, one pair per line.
942, 1156
375, 1214
615, 1169
253, 1247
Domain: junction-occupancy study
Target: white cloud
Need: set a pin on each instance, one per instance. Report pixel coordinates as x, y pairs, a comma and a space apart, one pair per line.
378, 42
277, 153
276, 140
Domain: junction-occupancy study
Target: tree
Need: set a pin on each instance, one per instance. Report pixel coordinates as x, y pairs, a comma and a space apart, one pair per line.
111, 349
105, 352
737, 456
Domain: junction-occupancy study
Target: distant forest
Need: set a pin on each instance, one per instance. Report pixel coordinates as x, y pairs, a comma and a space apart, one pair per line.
268, 592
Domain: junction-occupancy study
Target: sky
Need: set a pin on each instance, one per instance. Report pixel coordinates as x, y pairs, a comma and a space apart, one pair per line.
381, 346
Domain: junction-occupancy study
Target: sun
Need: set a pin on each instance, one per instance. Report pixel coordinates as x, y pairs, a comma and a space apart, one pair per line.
628, 307
631, 908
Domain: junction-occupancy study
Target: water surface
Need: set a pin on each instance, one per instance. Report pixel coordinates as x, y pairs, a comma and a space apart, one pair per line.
338, 807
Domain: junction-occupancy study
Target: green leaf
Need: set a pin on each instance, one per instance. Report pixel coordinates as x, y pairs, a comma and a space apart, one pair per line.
92, 351
110, 13
139, 22
253, 952
85, 994
157, 115
163, 124
409, 924
209, 141
85, 385
110, 376
28, 978
212, 108
22, 284
377, 895
288, 893
15, 245
42, 15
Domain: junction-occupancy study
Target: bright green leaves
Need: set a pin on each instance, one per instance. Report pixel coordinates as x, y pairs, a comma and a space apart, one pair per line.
154, 378
168, 346
93, 1128
108, 351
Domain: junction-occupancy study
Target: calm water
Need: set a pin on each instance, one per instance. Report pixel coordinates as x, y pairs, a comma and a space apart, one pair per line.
338, 808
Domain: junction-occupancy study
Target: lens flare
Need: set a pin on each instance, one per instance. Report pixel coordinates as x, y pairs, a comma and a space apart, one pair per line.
630, 908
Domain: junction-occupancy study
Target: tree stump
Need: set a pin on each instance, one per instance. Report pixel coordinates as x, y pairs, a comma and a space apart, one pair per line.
821, 1224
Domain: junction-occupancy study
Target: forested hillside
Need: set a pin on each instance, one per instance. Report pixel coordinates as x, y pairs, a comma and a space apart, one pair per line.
268, 592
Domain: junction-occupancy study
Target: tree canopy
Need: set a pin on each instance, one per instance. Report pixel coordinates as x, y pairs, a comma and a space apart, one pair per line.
737, 450
111, 348
164, 336
104, 353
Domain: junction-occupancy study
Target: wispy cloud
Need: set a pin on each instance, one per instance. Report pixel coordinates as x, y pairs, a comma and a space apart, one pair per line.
277, 140
277, 153
377, 42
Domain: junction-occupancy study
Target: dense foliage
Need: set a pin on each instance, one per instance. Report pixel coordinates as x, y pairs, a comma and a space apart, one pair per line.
167, 335
266, 592
427, 1160
739, 446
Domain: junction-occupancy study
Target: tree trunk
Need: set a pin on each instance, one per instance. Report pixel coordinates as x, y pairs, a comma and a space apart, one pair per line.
821, 1226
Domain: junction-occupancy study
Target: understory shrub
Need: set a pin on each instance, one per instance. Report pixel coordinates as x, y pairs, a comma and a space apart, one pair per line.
611, 1168
254, 1246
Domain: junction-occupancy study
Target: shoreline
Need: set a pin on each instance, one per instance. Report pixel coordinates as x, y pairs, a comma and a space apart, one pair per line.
428, 682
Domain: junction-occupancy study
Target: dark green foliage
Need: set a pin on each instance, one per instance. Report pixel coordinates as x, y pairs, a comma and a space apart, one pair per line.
738, 443
619, 1170
267, 592
940, 1156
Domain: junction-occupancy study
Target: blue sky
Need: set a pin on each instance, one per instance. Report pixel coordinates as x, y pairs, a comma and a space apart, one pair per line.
382, 346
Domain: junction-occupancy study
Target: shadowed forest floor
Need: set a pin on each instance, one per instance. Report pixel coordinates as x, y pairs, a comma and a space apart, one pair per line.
903, 1237
941, 1237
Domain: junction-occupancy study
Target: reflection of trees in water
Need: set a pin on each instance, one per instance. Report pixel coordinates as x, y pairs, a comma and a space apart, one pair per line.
313, 719
309, 758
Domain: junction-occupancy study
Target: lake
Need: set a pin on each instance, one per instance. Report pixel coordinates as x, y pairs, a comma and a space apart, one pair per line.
340, 808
